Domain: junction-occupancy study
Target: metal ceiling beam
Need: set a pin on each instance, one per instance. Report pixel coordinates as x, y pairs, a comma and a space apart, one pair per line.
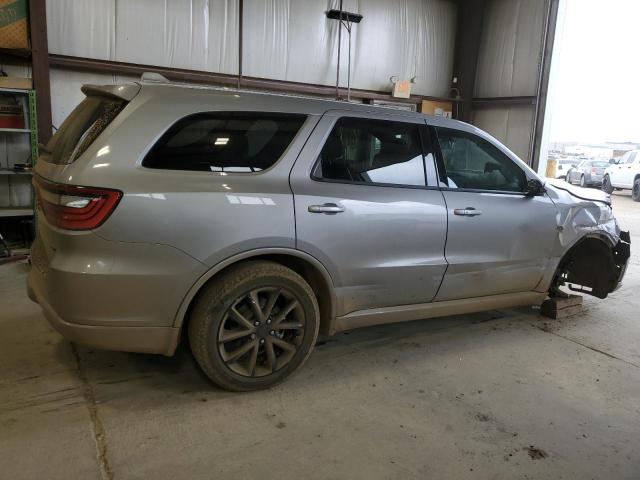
497, 101
198, 76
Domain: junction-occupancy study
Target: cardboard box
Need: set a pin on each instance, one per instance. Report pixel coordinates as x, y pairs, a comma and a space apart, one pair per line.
13, 24
20, 83
441, 109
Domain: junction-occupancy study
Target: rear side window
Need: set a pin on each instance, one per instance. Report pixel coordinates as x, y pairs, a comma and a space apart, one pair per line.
81, 128
225, 142
384, 152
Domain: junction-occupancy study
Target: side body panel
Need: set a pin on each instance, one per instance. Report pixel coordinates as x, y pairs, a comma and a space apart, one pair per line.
629, 171
507, 245
620, 173
386, 247
506, 249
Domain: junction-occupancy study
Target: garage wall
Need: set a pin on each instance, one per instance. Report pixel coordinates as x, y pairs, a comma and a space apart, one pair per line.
292, 40
508, 65
195, 34
511, 125
283, 39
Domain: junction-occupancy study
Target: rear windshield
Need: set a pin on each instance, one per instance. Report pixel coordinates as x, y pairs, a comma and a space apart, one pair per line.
225, 142
600, 164
81, 128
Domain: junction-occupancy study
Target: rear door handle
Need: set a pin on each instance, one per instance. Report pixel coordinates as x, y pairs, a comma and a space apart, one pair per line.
467, 212
327, 209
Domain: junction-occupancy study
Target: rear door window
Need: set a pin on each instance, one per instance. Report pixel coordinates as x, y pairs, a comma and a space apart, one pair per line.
360, 150
225, 142
81, 128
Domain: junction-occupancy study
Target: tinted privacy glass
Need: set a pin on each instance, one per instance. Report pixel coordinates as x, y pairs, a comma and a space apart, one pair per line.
372, 151
81, 128
225, 142
473, 163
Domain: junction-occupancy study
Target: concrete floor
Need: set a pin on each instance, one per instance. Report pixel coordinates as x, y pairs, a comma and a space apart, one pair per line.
496, 395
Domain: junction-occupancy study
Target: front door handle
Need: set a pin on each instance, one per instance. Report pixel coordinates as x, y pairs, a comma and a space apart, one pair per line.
467, 212
327, 209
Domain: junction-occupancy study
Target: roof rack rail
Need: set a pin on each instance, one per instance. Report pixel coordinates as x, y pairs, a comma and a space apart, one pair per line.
153, 77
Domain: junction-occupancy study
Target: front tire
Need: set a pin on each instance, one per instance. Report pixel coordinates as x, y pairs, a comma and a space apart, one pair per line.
254, 326
635, 193
606, 185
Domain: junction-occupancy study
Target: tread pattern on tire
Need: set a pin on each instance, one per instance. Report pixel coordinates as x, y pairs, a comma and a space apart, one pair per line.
214, 293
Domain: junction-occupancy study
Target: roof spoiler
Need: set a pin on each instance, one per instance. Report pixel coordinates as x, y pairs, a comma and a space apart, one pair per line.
122, 92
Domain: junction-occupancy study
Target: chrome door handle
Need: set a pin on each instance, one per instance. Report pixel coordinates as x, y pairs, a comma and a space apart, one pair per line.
327, 208
467, 212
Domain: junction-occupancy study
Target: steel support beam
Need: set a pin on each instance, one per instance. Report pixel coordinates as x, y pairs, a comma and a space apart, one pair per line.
40, 66
497, 101
543, 80
198, 76
467, 48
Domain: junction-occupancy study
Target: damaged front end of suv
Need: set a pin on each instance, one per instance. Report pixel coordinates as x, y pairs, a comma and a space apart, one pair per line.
593, 250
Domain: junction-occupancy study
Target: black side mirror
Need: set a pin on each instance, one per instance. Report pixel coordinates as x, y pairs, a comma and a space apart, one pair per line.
534, 188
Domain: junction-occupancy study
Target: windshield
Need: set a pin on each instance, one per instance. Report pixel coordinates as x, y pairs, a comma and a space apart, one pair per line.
81, 128
600, 164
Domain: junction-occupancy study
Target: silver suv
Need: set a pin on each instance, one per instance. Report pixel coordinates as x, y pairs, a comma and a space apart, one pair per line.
250, 222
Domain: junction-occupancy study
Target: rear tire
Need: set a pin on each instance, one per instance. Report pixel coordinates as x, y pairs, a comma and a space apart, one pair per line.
582, 182
606, 185
254, 326
635, 193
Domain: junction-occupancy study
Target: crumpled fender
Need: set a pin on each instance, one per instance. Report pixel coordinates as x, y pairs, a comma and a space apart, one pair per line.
593, 250
582, 212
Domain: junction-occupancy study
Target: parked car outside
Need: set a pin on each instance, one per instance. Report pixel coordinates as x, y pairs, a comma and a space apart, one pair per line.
250, 222
565, 165
624, 175
587, 173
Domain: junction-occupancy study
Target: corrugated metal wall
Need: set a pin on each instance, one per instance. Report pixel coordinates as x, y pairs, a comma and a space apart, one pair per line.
283, 40
291, 40
508, 65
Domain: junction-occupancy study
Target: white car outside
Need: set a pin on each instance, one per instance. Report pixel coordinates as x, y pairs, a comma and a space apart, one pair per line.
624, 175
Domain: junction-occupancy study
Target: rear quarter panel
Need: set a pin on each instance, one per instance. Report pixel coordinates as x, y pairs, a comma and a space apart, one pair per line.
208, 215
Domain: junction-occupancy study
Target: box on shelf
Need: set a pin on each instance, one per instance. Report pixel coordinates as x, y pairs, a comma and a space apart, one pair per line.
19, 83
13, 24
439, 109
11, 113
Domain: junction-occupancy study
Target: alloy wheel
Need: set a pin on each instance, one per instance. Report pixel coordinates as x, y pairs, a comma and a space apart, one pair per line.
261, 332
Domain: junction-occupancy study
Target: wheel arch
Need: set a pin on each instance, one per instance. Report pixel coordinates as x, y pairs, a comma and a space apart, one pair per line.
589, 262
307, 266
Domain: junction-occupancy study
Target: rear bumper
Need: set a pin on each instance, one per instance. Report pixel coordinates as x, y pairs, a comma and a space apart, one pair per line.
594, 179
110, 295
162, 340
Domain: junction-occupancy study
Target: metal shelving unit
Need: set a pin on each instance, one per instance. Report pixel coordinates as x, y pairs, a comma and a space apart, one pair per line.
16, 192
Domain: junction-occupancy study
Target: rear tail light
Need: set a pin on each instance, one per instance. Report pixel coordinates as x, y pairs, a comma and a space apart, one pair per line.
73, 207
594, 171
